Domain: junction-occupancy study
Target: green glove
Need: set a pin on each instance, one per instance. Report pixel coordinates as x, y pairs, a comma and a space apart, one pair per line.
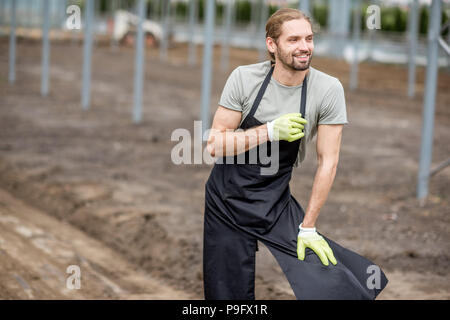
309, 238
288, 127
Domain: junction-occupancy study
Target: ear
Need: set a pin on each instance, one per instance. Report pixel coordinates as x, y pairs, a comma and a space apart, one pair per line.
271, 45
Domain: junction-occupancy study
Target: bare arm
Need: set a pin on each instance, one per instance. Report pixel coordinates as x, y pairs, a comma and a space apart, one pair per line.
328, 146
224, 141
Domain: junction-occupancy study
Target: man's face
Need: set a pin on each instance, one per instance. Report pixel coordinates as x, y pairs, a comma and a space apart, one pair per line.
295, 44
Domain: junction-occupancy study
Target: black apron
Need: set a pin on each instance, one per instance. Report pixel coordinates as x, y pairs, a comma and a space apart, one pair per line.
243, 206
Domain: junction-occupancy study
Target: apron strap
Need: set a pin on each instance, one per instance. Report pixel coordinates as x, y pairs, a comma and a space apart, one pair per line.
303, 101
260, 93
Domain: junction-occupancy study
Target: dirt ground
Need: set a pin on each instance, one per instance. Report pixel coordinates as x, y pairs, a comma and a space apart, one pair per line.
90, 188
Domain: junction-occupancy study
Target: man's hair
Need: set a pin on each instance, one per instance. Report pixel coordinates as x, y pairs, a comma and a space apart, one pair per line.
276, 20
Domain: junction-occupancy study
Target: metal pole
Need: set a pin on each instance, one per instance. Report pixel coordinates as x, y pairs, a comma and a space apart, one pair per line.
356, 35
97, 17
331, 14
413, 29
303, 5
12, 44
87, 54
114, 5
193, 17
29, 14
262, 30
37, 19
139, 63
207, 63
254, 11
332, 26
224, 61
426, 147
62, 13
344, 17
166, 25
2, 12
45, 47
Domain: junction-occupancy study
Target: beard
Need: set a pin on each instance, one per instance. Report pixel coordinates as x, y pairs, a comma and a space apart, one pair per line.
288, 60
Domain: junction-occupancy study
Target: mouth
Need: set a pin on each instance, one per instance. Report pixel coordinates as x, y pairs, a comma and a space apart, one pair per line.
302, 57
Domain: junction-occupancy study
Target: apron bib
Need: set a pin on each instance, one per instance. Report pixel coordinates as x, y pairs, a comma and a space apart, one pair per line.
255, 199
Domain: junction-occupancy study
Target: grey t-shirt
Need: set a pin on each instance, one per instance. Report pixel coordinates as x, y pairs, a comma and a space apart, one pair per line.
325, 101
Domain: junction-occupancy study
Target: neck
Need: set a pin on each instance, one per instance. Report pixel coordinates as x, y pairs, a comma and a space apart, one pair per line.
288, 76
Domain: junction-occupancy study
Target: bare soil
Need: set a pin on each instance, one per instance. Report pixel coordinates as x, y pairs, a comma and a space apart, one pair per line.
90, 188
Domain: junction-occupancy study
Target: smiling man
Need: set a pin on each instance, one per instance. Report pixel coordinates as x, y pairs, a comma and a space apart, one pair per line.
280, 105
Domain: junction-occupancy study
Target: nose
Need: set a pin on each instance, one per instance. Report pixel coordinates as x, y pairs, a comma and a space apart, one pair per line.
302, 45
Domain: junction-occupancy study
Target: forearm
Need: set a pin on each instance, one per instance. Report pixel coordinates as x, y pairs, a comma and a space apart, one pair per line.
228, 143
322, 184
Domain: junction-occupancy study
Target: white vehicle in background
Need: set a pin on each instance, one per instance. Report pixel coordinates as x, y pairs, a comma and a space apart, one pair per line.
125, 27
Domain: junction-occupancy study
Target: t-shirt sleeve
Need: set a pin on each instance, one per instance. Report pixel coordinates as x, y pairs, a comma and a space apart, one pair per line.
231, 97
333, 108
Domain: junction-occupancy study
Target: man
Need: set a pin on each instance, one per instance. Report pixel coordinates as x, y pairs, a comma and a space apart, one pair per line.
279, 106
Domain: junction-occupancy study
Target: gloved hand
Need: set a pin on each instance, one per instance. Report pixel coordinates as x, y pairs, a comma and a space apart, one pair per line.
288, 127
309, 238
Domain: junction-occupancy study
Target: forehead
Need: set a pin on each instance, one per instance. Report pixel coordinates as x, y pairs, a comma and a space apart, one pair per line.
297, 27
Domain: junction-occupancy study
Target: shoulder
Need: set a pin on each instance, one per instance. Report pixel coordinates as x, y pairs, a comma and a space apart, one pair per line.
324, 83
252, 71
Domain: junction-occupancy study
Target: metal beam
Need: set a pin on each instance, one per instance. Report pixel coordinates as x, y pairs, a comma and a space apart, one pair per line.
12, 44
332, 12
439, 167
262, 30
2, 12
345, 16
87, 54
193, 17
166, 25
224, 61
45, 47
413, 30
356, 35
444, 45
62, 13
29, 14
114, 5
254, 13
304, 5
207, 63
97, 17
333, 26
139, 63
426, 147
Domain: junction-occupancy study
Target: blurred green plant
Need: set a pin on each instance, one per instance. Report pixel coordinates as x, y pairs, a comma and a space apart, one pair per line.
320, 14
393, 19
243, 11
